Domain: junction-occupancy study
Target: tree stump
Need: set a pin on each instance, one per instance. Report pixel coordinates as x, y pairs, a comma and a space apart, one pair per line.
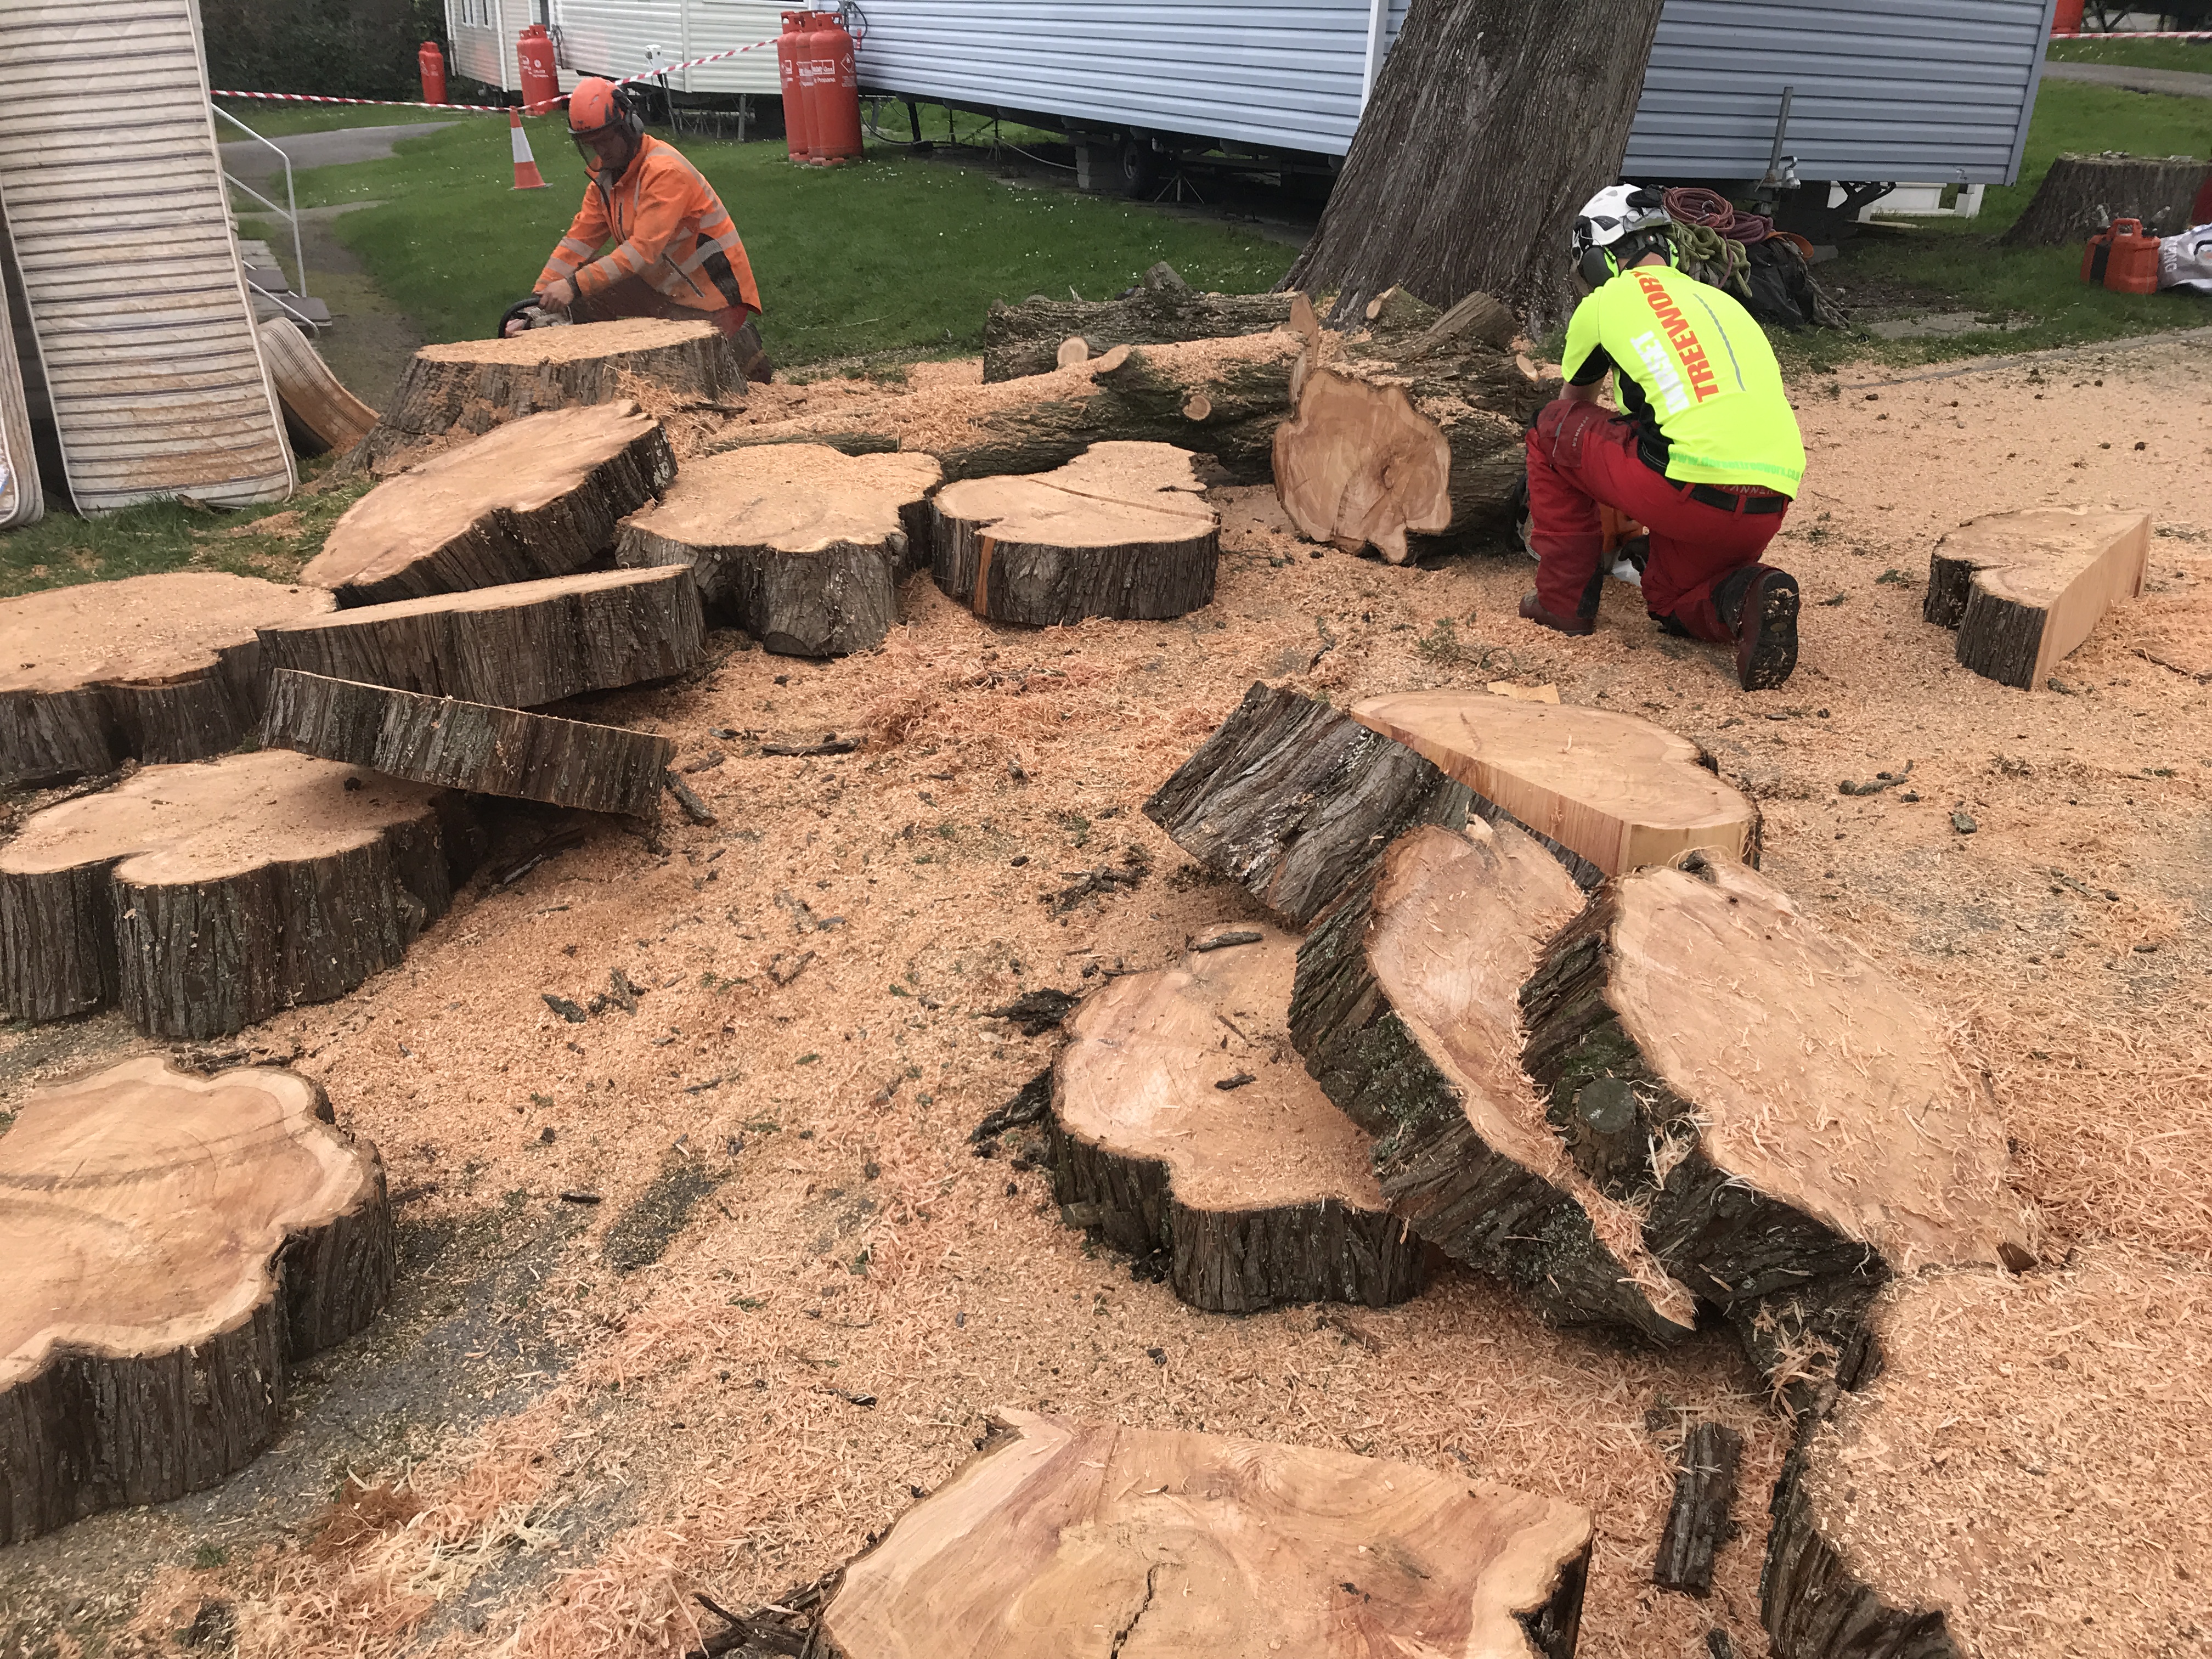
150, 668
1163, 310
518, 645
468, 746
538, 497
460, 391
1607, 792
1406, 1010
2010, 1466
1181, 1123
1121, 531
319, 414
174, 1243
2023, 589
2082, 194
804, 545
1294, 801
1066, 1539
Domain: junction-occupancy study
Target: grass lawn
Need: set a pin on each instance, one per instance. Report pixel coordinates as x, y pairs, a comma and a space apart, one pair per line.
281, 120
2195, 55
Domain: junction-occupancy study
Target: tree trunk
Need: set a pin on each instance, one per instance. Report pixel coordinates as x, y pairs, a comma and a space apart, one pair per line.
1226, 1158
803, 544
1486, 131
1121, 531
1698, 1521
1027, 338
2023, 589
150, 668
319, 414
2082, 194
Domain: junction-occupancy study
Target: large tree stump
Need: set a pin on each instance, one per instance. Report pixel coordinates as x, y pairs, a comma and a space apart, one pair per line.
1406, 1010
468, 746
803, 545
204, 898
1121, 531
2011, 1467
1066, 1539
1607, 791
173, 1243
1294, 801
1027, 338
1182, 1123
2023, 589
319, 414
2082, 194
150, 668
451, 393
520, 644
538, 497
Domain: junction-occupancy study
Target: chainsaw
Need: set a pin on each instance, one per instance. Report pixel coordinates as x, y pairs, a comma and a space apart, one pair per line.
525, 314
1627, 544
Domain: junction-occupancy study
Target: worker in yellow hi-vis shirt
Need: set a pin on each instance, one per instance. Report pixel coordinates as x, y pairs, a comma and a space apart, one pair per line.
1705, 452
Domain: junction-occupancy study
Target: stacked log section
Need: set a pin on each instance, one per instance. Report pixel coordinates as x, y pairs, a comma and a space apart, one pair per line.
319, 414
2016, 1466
1028, 338
150, 668
1406, 1010
804, 545
1294, 801
1122, 531
203, 898
520, 644
174, 1243
2023, 589
1063, 1538
538, 497
1181, 1122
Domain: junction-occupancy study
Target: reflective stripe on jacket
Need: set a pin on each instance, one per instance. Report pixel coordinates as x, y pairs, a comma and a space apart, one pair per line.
668, 226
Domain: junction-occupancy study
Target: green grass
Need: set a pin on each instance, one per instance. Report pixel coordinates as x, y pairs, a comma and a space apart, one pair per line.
281, 120
2195, 55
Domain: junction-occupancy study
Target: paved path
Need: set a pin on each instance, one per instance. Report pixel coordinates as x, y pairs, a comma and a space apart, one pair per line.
252, 162
2181, 83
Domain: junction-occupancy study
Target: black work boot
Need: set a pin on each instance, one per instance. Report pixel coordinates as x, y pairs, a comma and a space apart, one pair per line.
1532, 609
1759, 604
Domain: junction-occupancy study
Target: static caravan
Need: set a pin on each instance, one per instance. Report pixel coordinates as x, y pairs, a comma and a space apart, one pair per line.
483, 33
619, 37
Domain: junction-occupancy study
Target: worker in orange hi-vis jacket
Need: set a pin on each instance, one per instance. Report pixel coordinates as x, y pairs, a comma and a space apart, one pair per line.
676, 252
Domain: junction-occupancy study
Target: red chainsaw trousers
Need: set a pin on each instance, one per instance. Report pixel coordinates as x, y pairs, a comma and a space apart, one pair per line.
1579, 456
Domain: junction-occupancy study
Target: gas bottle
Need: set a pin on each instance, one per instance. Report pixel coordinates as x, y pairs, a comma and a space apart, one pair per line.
431, 63
833, 94
2132, 263
794, 95
541, 82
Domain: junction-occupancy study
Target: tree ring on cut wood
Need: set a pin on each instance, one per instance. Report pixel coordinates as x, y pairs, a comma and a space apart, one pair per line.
204, 898
1258, 1189
173, 1243
1358, 466
2023, 589
152, 668
1062, 1538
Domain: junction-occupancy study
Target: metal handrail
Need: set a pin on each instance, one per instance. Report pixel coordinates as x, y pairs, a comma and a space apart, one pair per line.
289, 213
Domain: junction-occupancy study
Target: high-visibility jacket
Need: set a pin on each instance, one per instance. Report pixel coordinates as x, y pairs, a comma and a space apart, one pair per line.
668, 226
1694, 372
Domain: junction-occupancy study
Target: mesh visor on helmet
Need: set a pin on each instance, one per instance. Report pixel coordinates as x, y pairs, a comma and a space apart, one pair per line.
604, 129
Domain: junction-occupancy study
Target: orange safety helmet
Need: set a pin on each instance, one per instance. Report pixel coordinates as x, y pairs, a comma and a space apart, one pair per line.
605, 125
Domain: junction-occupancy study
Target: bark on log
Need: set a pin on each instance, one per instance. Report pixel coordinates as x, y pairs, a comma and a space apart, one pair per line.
2023, 589
539, 497
174, 1243
319, 414
1698, 1521
457, 392
1027, 338
203, 898
1121, 531
150, 668
803, 544
1055, 1540
1257, 1189
2082, 194
1407, 1011
1294, 801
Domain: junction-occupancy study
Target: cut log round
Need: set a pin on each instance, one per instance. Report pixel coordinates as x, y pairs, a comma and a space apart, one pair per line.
2014, 1468
468, 746
1072, 1539
150, 668
538, 497
1608, 791
1027, 338
804, 545
173, 1243
1121, 531
1407, 1011
2023, 589
456, 392
2082, 194
1225, 1157
319, 414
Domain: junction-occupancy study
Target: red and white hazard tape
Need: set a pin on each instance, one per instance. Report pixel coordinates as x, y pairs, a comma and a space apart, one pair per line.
2140, 34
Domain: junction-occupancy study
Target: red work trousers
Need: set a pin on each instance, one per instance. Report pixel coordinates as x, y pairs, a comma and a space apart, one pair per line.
635, 297
1580, 455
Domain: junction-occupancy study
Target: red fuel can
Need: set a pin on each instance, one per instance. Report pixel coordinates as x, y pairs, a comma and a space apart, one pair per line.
541, 80
2132, 263
431, 63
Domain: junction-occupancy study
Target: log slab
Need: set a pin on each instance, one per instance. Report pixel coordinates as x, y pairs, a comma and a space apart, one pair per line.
2023, 589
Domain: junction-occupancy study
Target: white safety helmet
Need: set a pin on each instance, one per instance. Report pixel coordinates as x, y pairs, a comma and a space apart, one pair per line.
1617, 226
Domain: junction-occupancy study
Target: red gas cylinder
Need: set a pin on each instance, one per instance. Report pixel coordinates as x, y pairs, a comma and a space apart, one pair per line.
833, 92
794, 95
541, 82
2066, 17
2132, 265
432, 62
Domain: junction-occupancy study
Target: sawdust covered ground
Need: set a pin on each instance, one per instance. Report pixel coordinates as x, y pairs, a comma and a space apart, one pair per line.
846, 1288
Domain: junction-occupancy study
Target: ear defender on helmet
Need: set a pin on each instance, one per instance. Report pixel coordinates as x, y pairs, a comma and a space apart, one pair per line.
1617, 226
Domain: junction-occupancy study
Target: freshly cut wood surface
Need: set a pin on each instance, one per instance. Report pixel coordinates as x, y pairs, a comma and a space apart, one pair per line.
1078, 1541
2014, 1468
204, 898
1260, 1191
519, 644
174, 1243
1613, 789
150, 668
319, 414
1028, 338
2023, 589
468, 746
1121, 531
804, 545
1360, 466
538, 497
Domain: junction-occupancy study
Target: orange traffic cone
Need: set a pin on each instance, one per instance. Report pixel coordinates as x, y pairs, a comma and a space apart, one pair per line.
526, 176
